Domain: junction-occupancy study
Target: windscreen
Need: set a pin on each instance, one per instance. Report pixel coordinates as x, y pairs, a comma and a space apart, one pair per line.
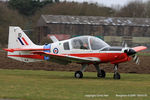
97, 44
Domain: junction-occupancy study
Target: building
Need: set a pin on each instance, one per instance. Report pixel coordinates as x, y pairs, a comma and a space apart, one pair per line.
114, 30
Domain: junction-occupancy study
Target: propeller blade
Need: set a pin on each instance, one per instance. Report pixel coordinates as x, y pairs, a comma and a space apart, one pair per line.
136, 59
124, 44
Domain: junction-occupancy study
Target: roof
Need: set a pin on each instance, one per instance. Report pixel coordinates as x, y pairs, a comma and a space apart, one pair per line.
96, 20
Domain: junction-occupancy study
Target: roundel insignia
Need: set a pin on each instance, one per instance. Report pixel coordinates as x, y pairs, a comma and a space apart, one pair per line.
55, 50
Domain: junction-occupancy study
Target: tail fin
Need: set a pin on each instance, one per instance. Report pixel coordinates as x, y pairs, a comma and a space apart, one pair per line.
18, 41
17, 38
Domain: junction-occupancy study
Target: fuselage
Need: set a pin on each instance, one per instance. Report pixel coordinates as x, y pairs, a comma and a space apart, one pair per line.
83, 46
98, 49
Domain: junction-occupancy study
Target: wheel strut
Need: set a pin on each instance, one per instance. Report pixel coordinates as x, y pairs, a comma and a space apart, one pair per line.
116, 73
79, 74
100, 73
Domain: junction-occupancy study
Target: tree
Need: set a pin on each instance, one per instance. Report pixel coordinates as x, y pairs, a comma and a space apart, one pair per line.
27, 7
8, 17
56, 1
133, 9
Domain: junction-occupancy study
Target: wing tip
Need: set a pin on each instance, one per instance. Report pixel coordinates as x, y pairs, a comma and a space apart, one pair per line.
139, 48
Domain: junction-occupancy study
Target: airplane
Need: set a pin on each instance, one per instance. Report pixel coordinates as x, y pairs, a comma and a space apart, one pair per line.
84, 50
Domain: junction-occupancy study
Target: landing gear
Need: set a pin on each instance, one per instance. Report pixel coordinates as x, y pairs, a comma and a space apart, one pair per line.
100, 73
116, 73
116, 76
79, 74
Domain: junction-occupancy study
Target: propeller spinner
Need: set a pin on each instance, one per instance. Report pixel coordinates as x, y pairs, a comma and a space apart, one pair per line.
131, 52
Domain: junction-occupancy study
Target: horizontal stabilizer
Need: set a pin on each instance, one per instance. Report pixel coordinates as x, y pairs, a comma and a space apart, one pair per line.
25, 49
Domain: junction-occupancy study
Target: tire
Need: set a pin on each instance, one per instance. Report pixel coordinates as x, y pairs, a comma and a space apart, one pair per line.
78, 74
116, 76
102, 74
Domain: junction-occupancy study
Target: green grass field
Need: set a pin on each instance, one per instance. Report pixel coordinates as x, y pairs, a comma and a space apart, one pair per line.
144, 53
53, 85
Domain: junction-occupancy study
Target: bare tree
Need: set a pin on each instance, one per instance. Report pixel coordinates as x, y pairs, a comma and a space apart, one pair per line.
133, 9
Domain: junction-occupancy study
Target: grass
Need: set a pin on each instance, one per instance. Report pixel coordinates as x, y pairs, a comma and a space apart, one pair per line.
53, 85
144, 53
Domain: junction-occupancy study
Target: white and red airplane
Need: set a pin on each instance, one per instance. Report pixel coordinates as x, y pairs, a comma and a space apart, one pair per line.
83, 50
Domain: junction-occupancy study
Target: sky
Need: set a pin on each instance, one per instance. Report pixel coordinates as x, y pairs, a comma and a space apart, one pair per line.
108, 3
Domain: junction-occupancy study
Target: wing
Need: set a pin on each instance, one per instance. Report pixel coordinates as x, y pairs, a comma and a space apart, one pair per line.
67, 58
139, 48
25, 49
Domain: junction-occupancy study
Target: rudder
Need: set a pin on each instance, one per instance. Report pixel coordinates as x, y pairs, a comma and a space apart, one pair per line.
17, 38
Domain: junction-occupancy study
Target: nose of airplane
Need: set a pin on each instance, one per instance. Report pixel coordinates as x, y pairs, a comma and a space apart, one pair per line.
130, 52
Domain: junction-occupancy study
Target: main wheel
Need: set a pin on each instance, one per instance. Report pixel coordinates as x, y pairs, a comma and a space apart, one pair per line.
102, 74
78, 74
116, 76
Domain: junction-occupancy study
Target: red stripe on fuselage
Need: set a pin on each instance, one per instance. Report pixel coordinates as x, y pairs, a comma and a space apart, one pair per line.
25, 41
104, 57
29, 56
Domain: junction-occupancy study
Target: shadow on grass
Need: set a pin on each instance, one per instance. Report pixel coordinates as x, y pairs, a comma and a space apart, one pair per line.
61, 76
69, 77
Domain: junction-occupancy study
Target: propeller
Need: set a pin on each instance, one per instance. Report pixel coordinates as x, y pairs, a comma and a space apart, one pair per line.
124, 44
136, 59
131, 52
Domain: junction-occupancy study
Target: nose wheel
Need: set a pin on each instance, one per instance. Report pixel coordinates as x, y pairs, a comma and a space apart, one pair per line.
116, 73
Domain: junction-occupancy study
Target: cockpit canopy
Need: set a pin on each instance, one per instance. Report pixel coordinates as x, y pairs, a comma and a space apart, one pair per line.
88, 42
